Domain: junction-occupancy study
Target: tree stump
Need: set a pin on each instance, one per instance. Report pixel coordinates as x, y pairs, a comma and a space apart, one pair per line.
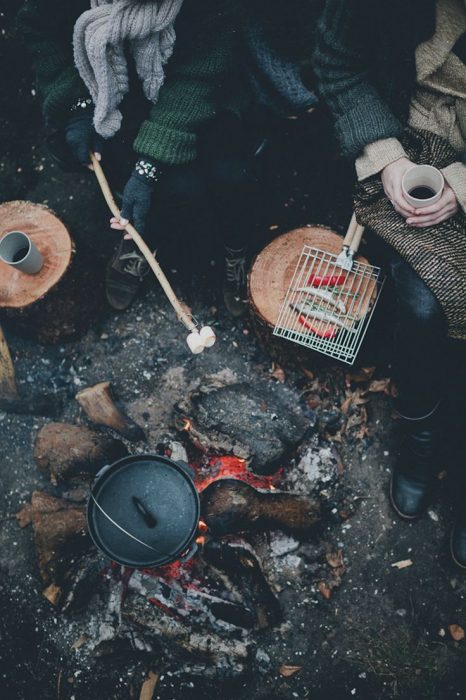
268, 282
51, 305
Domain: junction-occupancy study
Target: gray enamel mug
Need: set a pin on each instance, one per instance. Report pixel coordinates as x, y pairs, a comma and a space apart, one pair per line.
18, 251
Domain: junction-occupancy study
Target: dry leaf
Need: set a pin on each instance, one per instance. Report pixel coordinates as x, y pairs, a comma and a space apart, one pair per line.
403, 564
325, 590
335, 559
148, 687
278, 373
79, 642
345, 406
52, 593
378, 385
308, 373
456, 632
288, 671
363, 375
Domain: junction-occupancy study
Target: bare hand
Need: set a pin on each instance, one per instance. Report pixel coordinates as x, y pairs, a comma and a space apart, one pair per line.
392, 176
442, 210
120, 225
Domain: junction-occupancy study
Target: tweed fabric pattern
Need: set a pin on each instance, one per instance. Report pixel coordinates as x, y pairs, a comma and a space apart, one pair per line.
437, 253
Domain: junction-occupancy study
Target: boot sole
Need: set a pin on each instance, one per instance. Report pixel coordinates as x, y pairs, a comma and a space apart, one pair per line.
408, 518
452, 553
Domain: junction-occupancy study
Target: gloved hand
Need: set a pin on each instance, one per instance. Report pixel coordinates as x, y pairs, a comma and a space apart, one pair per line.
137, 195
81, 137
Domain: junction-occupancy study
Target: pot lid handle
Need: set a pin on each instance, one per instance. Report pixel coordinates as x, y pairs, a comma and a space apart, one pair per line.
133, 537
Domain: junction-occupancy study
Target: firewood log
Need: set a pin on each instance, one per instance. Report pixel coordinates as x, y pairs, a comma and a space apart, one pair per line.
60, 533
63, 451
231, 505
98, 404
7, 371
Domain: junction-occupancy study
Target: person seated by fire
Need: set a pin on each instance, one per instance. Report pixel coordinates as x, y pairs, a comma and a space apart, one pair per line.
155, 90
394, 76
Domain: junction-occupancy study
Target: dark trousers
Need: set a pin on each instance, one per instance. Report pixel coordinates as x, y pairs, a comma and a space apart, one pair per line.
421, 345
213, 197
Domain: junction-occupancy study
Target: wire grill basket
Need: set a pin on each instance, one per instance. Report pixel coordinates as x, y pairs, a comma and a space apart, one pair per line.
331, 299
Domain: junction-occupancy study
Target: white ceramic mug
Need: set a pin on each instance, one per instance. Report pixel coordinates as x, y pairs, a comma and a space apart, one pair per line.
18, 251
420, 177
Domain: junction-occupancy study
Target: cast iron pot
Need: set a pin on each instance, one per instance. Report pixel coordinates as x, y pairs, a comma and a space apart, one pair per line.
143, 511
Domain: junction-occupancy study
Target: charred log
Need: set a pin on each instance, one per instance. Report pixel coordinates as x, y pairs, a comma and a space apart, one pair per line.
60, 533
245, 572
231, 505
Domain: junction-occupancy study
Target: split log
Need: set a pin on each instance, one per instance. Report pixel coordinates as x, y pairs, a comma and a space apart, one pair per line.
47, 405
60, 533
51, 305
98, 404
64, 451
231, 505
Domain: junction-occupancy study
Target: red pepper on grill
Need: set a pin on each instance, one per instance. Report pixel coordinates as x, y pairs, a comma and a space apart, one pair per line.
329, 333
327, 280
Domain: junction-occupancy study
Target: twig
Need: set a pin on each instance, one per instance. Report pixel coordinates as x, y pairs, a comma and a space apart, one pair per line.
183, 316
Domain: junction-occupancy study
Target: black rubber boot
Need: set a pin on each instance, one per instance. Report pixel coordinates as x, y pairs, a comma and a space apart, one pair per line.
415, 475
234, 282
458, 542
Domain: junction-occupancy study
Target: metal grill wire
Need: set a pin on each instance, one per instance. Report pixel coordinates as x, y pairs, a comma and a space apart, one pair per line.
349, 311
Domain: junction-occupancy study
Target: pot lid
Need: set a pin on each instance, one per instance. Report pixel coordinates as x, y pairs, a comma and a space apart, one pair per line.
143, 510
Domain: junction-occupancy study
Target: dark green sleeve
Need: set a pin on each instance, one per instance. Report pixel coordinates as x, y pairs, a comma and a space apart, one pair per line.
198, 72
342, 63
46, 30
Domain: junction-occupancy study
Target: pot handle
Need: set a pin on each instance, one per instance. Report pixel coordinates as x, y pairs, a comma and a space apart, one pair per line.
103, 470
189, 554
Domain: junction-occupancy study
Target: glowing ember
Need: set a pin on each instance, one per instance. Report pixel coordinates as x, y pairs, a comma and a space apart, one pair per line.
234, 468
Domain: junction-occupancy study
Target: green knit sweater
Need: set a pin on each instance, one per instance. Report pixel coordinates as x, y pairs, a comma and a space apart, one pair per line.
202, 76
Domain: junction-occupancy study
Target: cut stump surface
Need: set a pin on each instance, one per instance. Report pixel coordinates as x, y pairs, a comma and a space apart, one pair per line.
19, 290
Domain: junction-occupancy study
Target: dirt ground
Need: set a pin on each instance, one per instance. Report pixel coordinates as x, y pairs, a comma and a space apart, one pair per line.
384, 633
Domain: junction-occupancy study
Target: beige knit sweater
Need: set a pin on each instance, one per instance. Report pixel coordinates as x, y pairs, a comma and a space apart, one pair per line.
439, 102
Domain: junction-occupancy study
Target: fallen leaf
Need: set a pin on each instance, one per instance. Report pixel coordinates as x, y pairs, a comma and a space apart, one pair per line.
345, 406
380, 385
335, 559
278, 373
308, 373
325, 590
148, 687
403, 564
288, 671
52, 593
79, 642
456, 632
363, 375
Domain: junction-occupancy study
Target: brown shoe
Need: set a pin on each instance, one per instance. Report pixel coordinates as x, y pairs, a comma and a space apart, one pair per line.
234, 282
125, 273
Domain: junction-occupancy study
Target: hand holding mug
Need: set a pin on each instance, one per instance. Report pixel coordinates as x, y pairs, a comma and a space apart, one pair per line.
392, 178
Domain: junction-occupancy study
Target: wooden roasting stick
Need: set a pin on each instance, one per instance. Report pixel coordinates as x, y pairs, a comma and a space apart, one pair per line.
196, 340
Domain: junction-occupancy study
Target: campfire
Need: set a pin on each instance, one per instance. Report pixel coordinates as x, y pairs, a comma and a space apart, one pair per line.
221, 586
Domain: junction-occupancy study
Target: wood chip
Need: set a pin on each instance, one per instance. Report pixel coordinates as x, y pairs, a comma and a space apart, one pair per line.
52, 593
335, 559
456, 632
403, 564
78, 643
278, 373
288, 671
148, 687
